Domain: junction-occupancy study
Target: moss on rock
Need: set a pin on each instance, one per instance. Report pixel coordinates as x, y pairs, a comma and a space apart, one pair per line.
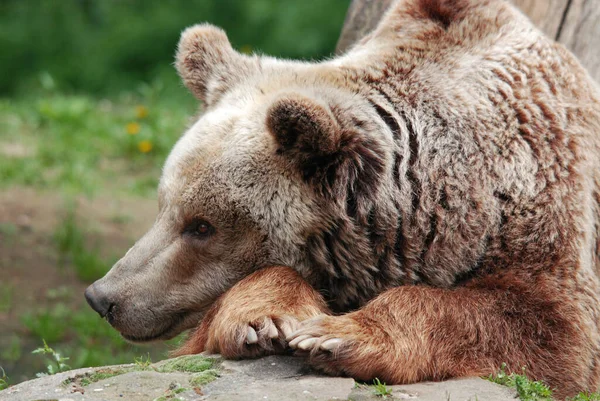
202, 378
187, 363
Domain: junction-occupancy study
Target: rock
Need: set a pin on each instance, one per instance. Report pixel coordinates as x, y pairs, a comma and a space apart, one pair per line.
275, 378
469, 389
200, 377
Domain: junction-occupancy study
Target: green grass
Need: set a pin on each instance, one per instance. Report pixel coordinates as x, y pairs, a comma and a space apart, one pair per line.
56, 362
585, 396
530, 390
79, 144
13, 351
8, 232
527, 390
3, 379
88, 340
50, 324
143, 362
74, 250
6, 297
380, 389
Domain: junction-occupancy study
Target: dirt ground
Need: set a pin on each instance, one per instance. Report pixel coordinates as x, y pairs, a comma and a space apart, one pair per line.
29, 262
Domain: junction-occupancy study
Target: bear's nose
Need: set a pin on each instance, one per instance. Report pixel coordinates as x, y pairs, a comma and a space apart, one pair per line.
98, 300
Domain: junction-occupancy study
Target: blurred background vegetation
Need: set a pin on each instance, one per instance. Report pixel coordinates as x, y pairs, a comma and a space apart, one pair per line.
103, 46
89, 107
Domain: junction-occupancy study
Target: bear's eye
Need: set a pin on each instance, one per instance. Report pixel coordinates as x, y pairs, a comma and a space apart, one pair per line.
199, 228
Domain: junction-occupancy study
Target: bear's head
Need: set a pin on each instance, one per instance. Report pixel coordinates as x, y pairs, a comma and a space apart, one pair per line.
280, 152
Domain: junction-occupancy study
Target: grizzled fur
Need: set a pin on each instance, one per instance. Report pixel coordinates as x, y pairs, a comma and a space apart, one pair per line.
440, 182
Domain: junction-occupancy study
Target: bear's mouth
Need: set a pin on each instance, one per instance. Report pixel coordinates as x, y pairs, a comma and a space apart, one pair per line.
169, 332
144, 339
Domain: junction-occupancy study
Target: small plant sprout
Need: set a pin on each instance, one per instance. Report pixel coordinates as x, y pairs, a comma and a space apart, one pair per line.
528, 390
502, 377
143, 363
57, 363
3, 379
380, 389
585, 396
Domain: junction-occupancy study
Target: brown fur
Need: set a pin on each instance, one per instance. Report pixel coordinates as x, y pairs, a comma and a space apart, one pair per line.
276, 293
438, 185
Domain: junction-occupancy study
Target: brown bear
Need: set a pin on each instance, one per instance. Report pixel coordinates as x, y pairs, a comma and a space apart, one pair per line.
422, 207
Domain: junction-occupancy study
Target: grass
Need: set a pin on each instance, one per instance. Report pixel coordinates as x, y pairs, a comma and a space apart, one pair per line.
12, 352
6, 297
142, 362
380, 389
50, 324
74, 250
81, 334
3, 379
79, 144
531, 390
527, 390
8, 232
56, 363
585, 396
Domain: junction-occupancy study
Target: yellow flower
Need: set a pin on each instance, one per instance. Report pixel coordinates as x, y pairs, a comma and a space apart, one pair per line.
145, 146
133, 128
141, 111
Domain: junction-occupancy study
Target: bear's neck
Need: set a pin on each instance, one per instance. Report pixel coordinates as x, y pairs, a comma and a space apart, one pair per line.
360, 253
397, 230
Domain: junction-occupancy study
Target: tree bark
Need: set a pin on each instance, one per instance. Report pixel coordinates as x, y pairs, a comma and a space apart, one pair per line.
546, 14
580, 33
362, 17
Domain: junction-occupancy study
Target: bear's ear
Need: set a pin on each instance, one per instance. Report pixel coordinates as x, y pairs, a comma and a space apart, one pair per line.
330, 146
304, 128
206, 62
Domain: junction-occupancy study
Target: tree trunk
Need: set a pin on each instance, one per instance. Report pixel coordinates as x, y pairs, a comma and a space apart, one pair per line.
362, 18
574, 23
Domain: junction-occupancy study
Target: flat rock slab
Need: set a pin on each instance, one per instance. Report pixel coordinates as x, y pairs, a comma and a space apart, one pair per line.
278, 378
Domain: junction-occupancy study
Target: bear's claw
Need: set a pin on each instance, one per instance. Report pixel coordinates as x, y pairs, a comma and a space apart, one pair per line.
314, 335
251, 337
266, 334
331, 344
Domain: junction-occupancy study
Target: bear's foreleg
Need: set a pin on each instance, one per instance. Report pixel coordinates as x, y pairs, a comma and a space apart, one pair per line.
256, 315
415, 333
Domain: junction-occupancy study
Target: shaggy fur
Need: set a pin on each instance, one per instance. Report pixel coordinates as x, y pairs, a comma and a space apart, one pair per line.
438, 186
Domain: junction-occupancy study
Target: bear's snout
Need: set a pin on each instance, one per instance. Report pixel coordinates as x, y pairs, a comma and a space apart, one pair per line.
98, 300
